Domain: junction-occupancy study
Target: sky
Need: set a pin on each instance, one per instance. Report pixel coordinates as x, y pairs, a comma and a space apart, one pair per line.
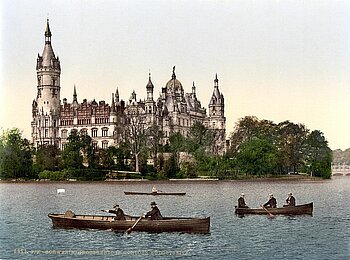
276, 60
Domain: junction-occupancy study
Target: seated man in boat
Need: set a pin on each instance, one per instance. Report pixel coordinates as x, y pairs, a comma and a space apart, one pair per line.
119, 213
154, 189
154, 214
290, 200
272, 203
241, 202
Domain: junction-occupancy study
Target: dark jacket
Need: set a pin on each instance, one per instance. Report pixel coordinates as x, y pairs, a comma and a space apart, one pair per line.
241, 203
272, 203
119, 214
154, 214
290, 201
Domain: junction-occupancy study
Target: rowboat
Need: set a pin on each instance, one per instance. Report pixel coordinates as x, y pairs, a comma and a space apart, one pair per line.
167, 224
304, 209
154, 193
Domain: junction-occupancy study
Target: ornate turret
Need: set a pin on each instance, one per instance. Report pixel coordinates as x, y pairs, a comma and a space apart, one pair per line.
149, 88
193, 91
45, 123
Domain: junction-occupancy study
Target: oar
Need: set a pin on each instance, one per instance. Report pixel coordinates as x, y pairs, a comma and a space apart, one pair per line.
270, 214
129, 230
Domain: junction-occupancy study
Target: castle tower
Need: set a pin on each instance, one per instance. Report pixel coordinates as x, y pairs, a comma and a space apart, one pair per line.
216, 119
46, 106
217, 103
149, 88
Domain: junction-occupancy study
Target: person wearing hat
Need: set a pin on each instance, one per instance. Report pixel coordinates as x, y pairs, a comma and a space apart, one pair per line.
272, 203
290, 200
241, 202
154, 214
119, 213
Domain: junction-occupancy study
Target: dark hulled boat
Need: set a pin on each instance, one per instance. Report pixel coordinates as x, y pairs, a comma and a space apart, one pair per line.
154, 193
304, 209
167, 224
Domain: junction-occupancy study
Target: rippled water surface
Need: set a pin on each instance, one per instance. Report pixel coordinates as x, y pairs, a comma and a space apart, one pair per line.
26, 231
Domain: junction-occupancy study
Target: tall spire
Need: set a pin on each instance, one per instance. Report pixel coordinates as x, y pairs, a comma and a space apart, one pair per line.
216, 81
117, 95
48, 32
75, 94
173, 76
48, 56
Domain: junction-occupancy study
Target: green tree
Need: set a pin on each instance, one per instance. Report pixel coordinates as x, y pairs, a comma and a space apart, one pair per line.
153, 137
257, 156
86, 148
319, 155
245, 129
15, 155
135, 133
177, 143
291, 145
72, 156
47, 158
197, 137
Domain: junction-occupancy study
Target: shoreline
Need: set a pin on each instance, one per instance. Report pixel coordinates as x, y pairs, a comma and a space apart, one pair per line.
197, 180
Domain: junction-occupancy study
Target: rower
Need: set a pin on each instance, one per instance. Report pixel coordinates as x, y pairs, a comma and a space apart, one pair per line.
241, 202
290, 200
272, 203
154, 214
119, 213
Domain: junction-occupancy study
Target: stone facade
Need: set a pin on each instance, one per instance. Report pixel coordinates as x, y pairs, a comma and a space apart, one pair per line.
173, 111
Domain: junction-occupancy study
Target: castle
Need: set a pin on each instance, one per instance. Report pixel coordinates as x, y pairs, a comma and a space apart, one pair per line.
173, 111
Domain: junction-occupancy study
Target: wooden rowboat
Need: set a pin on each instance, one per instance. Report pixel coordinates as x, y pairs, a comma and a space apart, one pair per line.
305, 209
167, 224
154, 193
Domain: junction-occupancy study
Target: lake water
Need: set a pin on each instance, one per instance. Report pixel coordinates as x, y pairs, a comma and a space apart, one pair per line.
26, 232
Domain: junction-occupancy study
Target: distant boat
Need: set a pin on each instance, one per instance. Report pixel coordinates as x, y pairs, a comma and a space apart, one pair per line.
304, 209
60, 191
155, 193
167, 224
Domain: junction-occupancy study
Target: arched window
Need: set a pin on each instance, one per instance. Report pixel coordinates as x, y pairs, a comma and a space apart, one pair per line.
64, 133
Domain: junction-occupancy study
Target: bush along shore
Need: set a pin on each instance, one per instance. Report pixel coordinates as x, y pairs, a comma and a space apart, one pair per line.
256, 149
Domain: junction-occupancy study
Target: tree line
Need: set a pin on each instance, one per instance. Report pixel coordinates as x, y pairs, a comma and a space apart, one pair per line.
255, 148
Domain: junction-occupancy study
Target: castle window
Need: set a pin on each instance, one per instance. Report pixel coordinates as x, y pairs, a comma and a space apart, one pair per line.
94, 145
83, 131
104, 144
46, 133
64, 133
46, 122
105, 132
94, 132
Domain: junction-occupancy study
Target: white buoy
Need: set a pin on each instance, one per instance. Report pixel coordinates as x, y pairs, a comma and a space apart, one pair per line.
60, 191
